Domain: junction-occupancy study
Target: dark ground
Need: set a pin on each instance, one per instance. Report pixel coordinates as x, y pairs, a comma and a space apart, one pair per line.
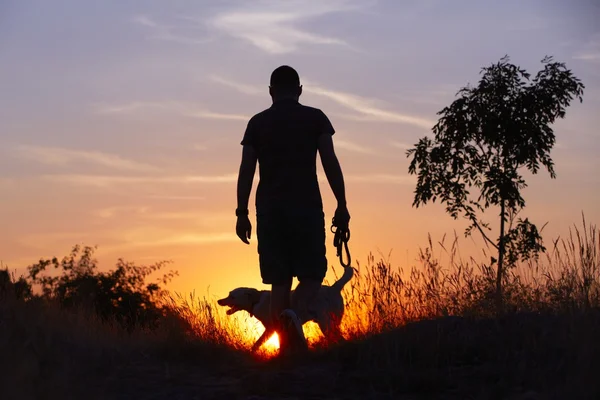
522, 356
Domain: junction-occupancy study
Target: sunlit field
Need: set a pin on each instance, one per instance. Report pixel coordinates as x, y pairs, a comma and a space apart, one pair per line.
426, 329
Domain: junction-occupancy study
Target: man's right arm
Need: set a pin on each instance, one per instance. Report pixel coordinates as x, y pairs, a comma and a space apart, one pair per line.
332, 168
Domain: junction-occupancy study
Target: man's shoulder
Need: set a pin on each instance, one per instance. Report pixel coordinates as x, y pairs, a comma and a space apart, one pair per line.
305, 110
260, 115
312, 110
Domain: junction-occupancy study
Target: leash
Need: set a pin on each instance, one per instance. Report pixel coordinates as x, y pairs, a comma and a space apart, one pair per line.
341, 236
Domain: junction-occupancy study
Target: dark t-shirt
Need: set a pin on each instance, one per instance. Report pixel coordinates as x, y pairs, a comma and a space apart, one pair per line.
284, 137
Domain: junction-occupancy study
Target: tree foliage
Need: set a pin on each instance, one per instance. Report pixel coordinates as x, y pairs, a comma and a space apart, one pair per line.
122, 294
482, 144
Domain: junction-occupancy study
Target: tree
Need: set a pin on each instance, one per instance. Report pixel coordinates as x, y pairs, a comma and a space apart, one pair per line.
483, 141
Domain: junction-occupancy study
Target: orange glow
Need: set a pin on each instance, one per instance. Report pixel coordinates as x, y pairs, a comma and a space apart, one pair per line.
272, 345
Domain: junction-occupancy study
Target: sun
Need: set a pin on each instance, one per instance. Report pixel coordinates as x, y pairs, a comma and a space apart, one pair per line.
251, 329
271, 346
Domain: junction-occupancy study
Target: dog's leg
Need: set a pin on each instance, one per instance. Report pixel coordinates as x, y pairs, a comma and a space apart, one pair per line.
262, 339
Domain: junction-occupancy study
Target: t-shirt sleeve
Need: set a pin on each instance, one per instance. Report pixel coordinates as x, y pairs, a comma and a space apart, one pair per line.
325, 126
249, 138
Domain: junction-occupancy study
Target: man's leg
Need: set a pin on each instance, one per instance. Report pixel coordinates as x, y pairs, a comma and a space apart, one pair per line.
287, 323
280, 299
311, 264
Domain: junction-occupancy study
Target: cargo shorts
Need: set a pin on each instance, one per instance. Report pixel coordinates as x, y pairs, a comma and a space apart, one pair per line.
291, 243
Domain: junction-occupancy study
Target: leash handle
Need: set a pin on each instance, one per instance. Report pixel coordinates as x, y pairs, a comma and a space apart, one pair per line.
341, 236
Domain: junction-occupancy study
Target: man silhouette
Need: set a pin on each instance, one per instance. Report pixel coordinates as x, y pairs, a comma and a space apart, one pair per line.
284, 139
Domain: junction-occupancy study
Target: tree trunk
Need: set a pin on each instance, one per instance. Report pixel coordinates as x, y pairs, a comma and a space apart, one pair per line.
500, 258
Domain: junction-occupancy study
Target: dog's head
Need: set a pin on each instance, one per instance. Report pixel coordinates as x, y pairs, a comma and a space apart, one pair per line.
240, 299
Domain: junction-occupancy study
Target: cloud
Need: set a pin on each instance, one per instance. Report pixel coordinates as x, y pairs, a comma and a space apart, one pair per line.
368, 109
111, 212
274, 26
148, 213
240, 87
103, 181
375, 178
176, 198
171, 33
179, 108
190, 238
353, 147
382, 178
529, 23
58, 156
400, 145
215, 115
590, 52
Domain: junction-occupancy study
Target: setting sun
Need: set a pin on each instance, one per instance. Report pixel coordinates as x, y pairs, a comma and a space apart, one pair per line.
272, 345
249, 330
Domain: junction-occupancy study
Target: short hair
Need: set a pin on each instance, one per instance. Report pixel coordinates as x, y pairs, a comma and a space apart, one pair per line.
285, 77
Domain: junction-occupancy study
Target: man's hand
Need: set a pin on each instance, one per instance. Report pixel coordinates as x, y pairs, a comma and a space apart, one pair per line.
243, 228
342, 216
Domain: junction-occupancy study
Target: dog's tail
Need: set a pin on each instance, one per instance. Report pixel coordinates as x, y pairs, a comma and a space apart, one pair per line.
345, 278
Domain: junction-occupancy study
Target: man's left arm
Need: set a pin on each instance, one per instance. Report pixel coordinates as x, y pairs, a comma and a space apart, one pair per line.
246, 177
244, 187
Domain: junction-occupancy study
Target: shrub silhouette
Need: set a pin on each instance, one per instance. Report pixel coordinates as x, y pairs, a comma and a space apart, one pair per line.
19, 289
121, 295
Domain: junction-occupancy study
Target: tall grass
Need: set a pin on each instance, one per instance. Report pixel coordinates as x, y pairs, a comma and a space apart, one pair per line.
47, 349
384, 297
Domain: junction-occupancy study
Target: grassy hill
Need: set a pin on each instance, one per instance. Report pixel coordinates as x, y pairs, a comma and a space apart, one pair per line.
430, 333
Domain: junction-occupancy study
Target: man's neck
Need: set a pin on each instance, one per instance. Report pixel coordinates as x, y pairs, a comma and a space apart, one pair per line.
285, 98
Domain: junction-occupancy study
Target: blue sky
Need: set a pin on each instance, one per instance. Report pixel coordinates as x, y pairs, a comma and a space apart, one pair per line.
120, 121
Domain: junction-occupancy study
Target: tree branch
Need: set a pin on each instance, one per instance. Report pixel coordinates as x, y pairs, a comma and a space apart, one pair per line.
485, 237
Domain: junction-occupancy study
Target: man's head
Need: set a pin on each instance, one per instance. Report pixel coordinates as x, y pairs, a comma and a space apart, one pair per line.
285, 83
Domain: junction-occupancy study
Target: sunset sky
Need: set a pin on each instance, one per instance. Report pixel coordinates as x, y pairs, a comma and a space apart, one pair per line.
120, 121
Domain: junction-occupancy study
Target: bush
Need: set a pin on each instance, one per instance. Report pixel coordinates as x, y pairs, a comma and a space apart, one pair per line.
122, 295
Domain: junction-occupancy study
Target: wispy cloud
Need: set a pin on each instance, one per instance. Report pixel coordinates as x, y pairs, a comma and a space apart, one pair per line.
353, 147
58, 156
375, 178
111, 212
590, 51
199, 147
382, 178
215, 115
240, 87
172, 33
103, 181
529, 23
368, 109
275, 26
149, 213
401, 145
175, 239
176, 198
174, 107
